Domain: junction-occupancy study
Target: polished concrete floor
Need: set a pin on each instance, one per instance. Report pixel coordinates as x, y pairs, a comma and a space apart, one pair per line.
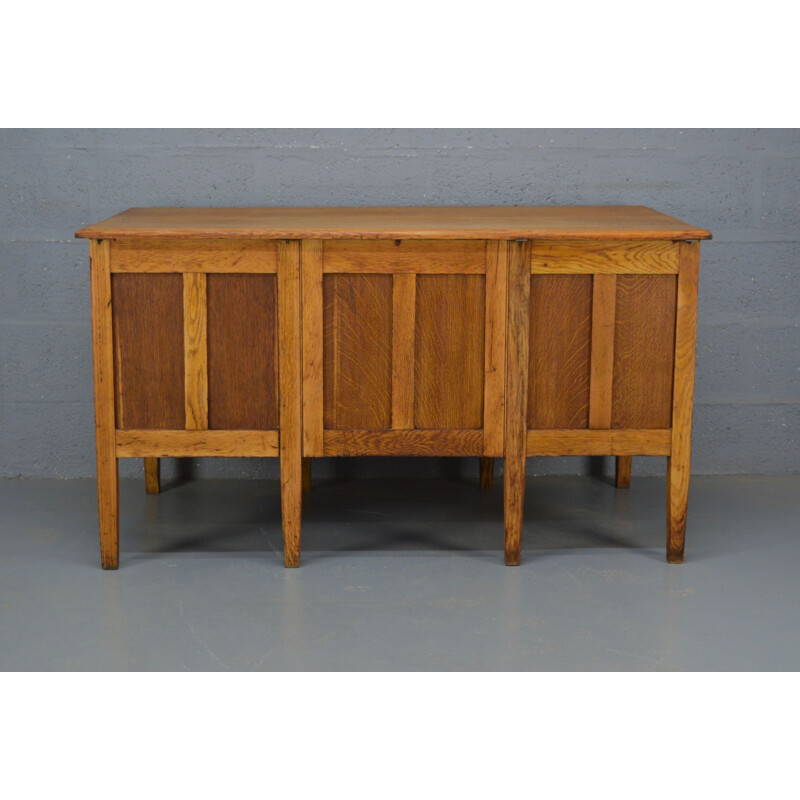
402, 575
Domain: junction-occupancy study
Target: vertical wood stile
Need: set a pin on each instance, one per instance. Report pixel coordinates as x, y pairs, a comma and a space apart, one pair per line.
313, 405
152, 475
404, 303
195, 350
604, 298
104, 418
679, 462
518, 321
290, 397
495, 353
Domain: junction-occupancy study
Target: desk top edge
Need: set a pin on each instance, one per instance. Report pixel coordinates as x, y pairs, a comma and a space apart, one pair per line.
395, 222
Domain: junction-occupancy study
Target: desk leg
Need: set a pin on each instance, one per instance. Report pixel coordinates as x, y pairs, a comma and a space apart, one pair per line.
104, 413
678, 464
624, 472
152, 475
519, 287
306, 474
487, 472
290, 403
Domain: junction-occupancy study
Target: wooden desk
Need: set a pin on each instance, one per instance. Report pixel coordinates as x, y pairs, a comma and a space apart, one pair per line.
306, 332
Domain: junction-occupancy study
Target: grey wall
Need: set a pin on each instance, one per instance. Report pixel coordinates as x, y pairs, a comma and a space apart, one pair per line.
743, 185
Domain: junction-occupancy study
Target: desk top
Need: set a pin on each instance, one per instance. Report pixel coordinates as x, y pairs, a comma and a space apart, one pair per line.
398, 222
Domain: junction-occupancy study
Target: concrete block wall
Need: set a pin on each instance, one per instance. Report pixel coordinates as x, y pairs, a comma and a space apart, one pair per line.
743, 185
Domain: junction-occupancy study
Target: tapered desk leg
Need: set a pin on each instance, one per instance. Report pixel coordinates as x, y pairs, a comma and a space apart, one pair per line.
104, 415
519, 285
487, 472
624, 472
290, 404
152, 475
678, 464
306, 474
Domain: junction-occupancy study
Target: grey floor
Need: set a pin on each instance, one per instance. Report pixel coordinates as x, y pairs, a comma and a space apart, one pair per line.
402, 575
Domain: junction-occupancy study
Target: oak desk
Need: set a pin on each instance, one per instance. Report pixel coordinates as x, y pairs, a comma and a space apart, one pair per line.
303, 332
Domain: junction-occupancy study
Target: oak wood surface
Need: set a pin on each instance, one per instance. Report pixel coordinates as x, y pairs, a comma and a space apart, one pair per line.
486, 467
306, 474
313, 356
195, 350
644, 339
450, 357
410, 256
242, 352
357, 352
610, 442
152, 475
404, 443
494, 367
194, 444
148, 350
404, 304
290, 374
104, 412
679, 463
604, 299
517, 341
605, 257
559, 346
623, 472
208, 255
399, 222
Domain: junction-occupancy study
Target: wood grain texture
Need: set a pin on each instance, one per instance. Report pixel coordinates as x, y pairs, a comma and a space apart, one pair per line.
494, 368
104, 412
290, 398
242, 352
404, 303
623, 473
517, 343
604, 300
195, 444
313, 358
177, 255
357, 352
195, 352
148, 350
152, 475
644, 339
404, 443
449, 362
559, 348
306, 475
679, 463
486, 473
399, 222
411, 256
599, 443
605, 257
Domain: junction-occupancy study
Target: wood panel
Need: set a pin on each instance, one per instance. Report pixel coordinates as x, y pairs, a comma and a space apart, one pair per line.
519, 287
599, 443
148, 350
679, 463
242, 352
643, 351
404, 443
195, 352
357, 351
404, 303
195, 444
410, 256
560, 347
104, 422
399, 222
178, 255
449, 364
605, 257
494, 368
313, 358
